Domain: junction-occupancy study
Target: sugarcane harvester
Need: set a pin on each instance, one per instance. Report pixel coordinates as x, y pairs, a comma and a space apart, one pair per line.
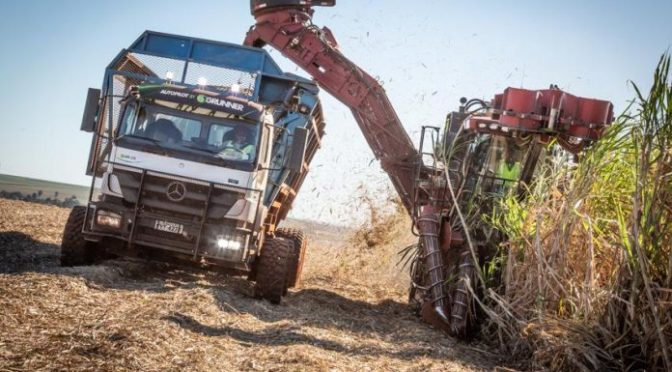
484, 149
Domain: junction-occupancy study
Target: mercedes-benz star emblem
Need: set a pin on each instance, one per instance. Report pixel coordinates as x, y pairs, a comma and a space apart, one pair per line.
176, 191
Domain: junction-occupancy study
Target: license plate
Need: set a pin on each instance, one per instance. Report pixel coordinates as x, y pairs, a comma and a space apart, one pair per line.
171, 227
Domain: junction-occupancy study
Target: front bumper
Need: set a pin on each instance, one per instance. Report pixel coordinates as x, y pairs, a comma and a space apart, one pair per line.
186, 238
209, 222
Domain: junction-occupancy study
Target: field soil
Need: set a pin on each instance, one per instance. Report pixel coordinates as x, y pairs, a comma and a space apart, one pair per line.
28, 186
135, 315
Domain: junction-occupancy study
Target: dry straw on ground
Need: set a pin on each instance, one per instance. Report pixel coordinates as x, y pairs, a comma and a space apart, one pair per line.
126, 315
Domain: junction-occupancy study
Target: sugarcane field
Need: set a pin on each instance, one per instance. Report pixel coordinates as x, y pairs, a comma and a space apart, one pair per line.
313, 185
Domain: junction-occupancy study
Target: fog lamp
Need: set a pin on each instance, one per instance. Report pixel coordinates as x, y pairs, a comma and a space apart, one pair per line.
223, 243
109, 219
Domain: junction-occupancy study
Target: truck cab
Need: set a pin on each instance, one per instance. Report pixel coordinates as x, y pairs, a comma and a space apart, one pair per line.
198, 151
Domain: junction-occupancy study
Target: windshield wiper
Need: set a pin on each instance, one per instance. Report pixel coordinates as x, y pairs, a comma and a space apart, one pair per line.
146, 139
194, 147
214, 153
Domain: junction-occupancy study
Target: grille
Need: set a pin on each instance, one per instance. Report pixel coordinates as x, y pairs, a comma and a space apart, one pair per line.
154, 196
155, 205
148, 68
154, 66
221, 77
158, 68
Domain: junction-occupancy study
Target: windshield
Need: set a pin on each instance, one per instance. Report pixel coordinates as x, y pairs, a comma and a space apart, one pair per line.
192, 137
498, 161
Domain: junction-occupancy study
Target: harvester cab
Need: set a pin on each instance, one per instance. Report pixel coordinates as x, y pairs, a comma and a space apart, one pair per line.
198, 150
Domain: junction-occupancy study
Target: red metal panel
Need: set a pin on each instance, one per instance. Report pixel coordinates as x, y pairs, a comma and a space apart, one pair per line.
497, 101
292, 33
520, 101
550, 112
592, 113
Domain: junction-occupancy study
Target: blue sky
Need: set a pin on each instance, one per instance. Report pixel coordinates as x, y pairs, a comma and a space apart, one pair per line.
427, 54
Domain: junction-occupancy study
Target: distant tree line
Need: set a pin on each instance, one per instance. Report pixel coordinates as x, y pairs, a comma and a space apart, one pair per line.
38, 197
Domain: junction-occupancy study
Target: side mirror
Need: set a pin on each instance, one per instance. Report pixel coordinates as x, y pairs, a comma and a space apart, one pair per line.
90, 110
298, 150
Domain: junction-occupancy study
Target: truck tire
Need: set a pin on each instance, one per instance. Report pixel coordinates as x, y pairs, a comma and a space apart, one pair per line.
272, 269
75, 251
296, 254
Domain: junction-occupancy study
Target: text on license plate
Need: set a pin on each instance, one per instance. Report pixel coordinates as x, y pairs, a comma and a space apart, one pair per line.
170, 227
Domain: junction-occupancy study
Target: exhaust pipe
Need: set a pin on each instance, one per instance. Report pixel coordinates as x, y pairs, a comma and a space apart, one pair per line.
428, 224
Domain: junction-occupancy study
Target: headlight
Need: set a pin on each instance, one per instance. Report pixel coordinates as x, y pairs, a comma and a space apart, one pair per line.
224, 243
228, 244
108, 219
113, 184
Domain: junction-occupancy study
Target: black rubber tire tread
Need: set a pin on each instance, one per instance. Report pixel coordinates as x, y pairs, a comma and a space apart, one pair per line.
272, 269
75, 251
296, 255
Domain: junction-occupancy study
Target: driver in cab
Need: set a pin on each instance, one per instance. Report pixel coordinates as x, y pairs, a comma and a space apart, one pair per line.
237, 144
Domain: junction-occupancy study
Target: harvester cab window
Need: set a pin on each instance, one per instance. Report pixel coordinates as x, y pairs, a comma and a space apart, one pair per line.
503, 165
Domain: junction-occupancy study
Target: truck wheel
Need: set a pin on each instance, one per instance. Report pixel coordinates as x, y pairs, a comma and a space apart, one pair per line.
296, 254
75, 251
272, 269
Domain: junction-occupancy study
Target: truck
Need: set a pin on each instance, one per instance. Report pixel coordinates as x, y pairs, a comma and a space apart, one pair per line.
198, 151
484, 150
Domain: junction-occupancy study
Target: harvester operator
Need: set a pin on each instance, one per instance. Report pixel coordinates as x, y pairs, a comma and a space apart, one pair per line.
508, 171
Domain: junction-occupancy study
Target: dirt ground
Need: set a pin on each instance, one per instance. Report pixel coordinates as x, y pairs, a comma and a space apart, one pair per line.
134, 315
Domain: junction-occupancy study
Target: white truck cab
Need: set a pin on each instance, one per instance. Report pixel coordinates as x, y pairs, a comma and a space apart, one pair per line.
199, 148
